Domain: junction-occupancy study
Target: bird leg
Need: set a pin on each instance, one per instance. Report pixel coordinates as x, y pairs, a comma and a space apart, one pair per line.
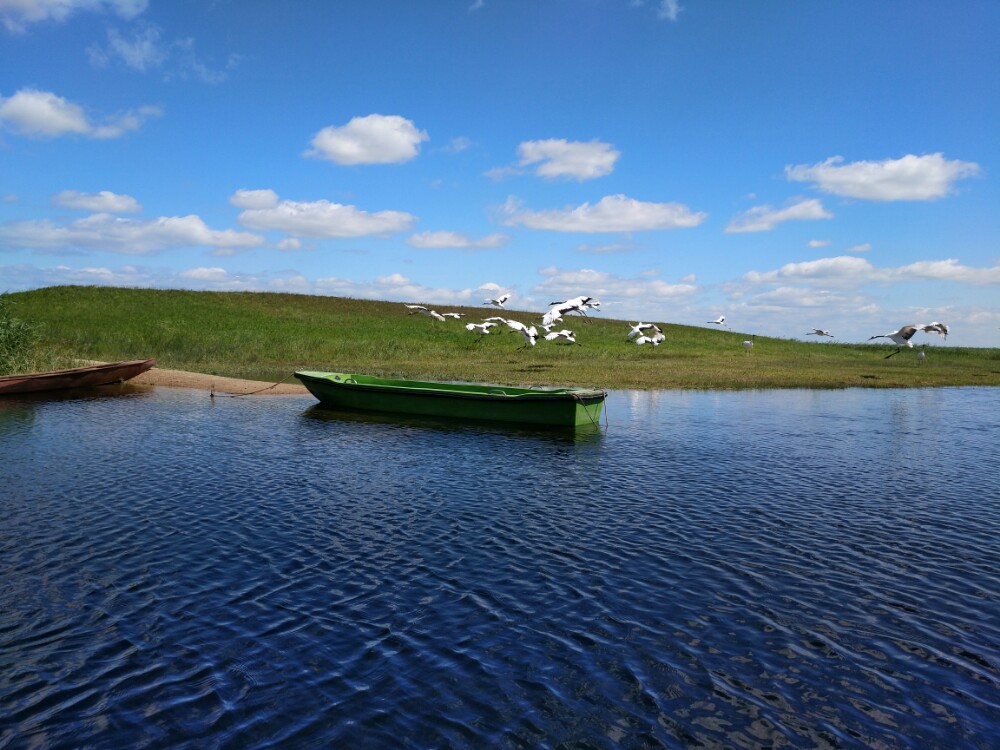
893, 354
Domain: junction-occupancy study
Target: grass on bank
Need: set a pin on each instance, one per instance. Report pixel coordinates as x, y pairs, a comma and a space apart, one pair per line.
266, 336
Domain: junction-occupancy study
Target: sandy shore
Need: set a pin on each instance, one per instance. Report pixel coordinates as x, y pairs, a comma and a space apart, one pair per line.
182, 379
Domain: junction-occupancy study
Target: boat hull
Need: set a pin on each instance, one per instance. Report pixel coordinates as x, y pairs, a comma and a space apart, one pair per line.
569, 407
79, 377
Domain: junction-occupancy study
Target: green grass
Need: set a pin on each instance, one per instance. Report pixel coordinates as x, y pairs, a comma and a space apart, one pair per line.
266, 336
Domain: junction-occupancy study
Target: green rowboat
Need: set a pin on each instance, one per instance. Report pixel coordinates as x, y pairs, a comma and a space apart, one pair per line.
569, 407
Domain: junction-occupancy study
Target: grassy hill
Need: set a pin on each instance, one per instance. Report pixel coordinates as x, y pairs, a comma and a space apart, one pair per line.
266, 336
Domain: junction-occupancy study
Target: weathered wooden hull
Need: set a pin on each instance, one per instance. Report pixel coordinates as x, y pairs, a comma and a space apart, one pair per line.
79, 377
567, 407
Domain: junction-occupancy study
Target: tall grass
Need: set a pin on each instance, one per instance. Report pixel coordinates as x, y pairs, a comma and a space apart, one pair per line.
266, 336
21, 343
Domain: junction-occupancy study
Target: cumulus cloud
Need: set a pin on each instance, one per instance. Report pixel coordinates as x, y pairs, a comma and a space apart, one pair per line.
103, 202
42, 114
613, 213
104, 232
317, 219
375, 139
243, 198
396, 287
629, 294
571, 159
843, 267
846, 269
910, 178
765, 218
18, 14
457, 240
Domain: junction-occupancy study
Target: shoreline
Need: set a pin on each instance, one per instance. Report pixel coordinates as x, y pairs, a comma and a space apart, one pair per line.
217, 383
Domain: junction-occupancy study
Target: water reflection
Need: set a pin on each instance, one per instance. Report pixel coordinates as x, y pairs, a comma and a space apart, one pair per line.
453, 426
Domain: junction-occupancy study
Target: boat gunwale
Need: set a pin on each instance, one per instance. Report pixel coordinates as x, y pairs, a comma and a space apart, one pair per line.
78, 370
453, 390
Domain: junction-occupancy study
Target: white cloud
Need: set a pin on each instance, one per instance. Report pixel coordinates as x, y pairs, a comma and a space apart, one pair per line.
375, 139
846, 269
819, 243
396, 287
669, 10
605, 248
946, 270
243, 198
862, 248
206, 274
910, 178
142, 52
613, 213
289, 243
103, 232
572, 159
145, 50
103, 202
43, 114
18, 14
765, 218
457, 240
322, 219
458, 144
622, 295
824, 269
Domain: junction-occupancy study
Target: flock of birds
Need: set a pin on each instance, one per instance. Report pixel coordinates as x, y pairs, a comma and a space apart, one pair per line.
640, 333
530, 333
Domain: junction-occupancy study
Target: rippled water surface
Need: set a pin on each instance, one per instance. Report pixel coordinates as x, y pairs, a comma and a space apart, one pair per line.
760, 569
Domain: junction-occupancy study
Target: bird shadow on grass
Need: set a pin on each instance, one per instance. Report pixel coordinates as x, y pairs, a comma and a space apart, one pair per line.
529, 368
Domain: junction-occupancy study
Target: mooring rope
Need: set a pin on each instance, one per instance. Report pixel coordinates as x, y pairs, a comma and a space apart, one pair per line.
579, 399
250, 393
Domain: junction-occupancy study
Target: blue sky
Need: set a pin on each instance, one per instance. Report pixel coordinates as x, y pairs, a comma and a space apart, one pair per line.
790, 164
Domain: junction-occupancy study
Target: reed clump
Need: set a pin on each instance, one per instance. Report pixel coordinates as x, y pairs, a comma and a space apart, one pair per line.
266, 336
21, 347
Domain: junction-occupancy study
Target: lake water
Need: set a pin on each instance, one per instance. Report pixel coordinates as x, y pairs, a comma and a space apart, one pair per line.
749, 569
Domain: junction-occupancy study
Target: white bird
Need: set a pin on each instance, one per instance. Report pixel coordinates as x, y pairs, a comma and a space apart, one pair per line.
456, 316
581, 301
748, 344
578, 304
498, 302
656, 339
635, 330
483, 328
819, 332
551, 317
530, 336
900, 338
514, 325
564, 334
414, 309
921, 354
720, 321
939, 328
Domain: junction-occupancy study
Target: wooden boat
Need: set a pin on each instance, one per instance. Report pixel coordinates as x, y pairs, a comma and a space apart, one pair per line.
568, 407
78, 377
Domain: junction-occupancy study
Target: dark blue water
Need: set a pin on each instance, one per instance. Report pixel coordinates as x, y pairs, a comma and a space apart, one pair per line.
759, 569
